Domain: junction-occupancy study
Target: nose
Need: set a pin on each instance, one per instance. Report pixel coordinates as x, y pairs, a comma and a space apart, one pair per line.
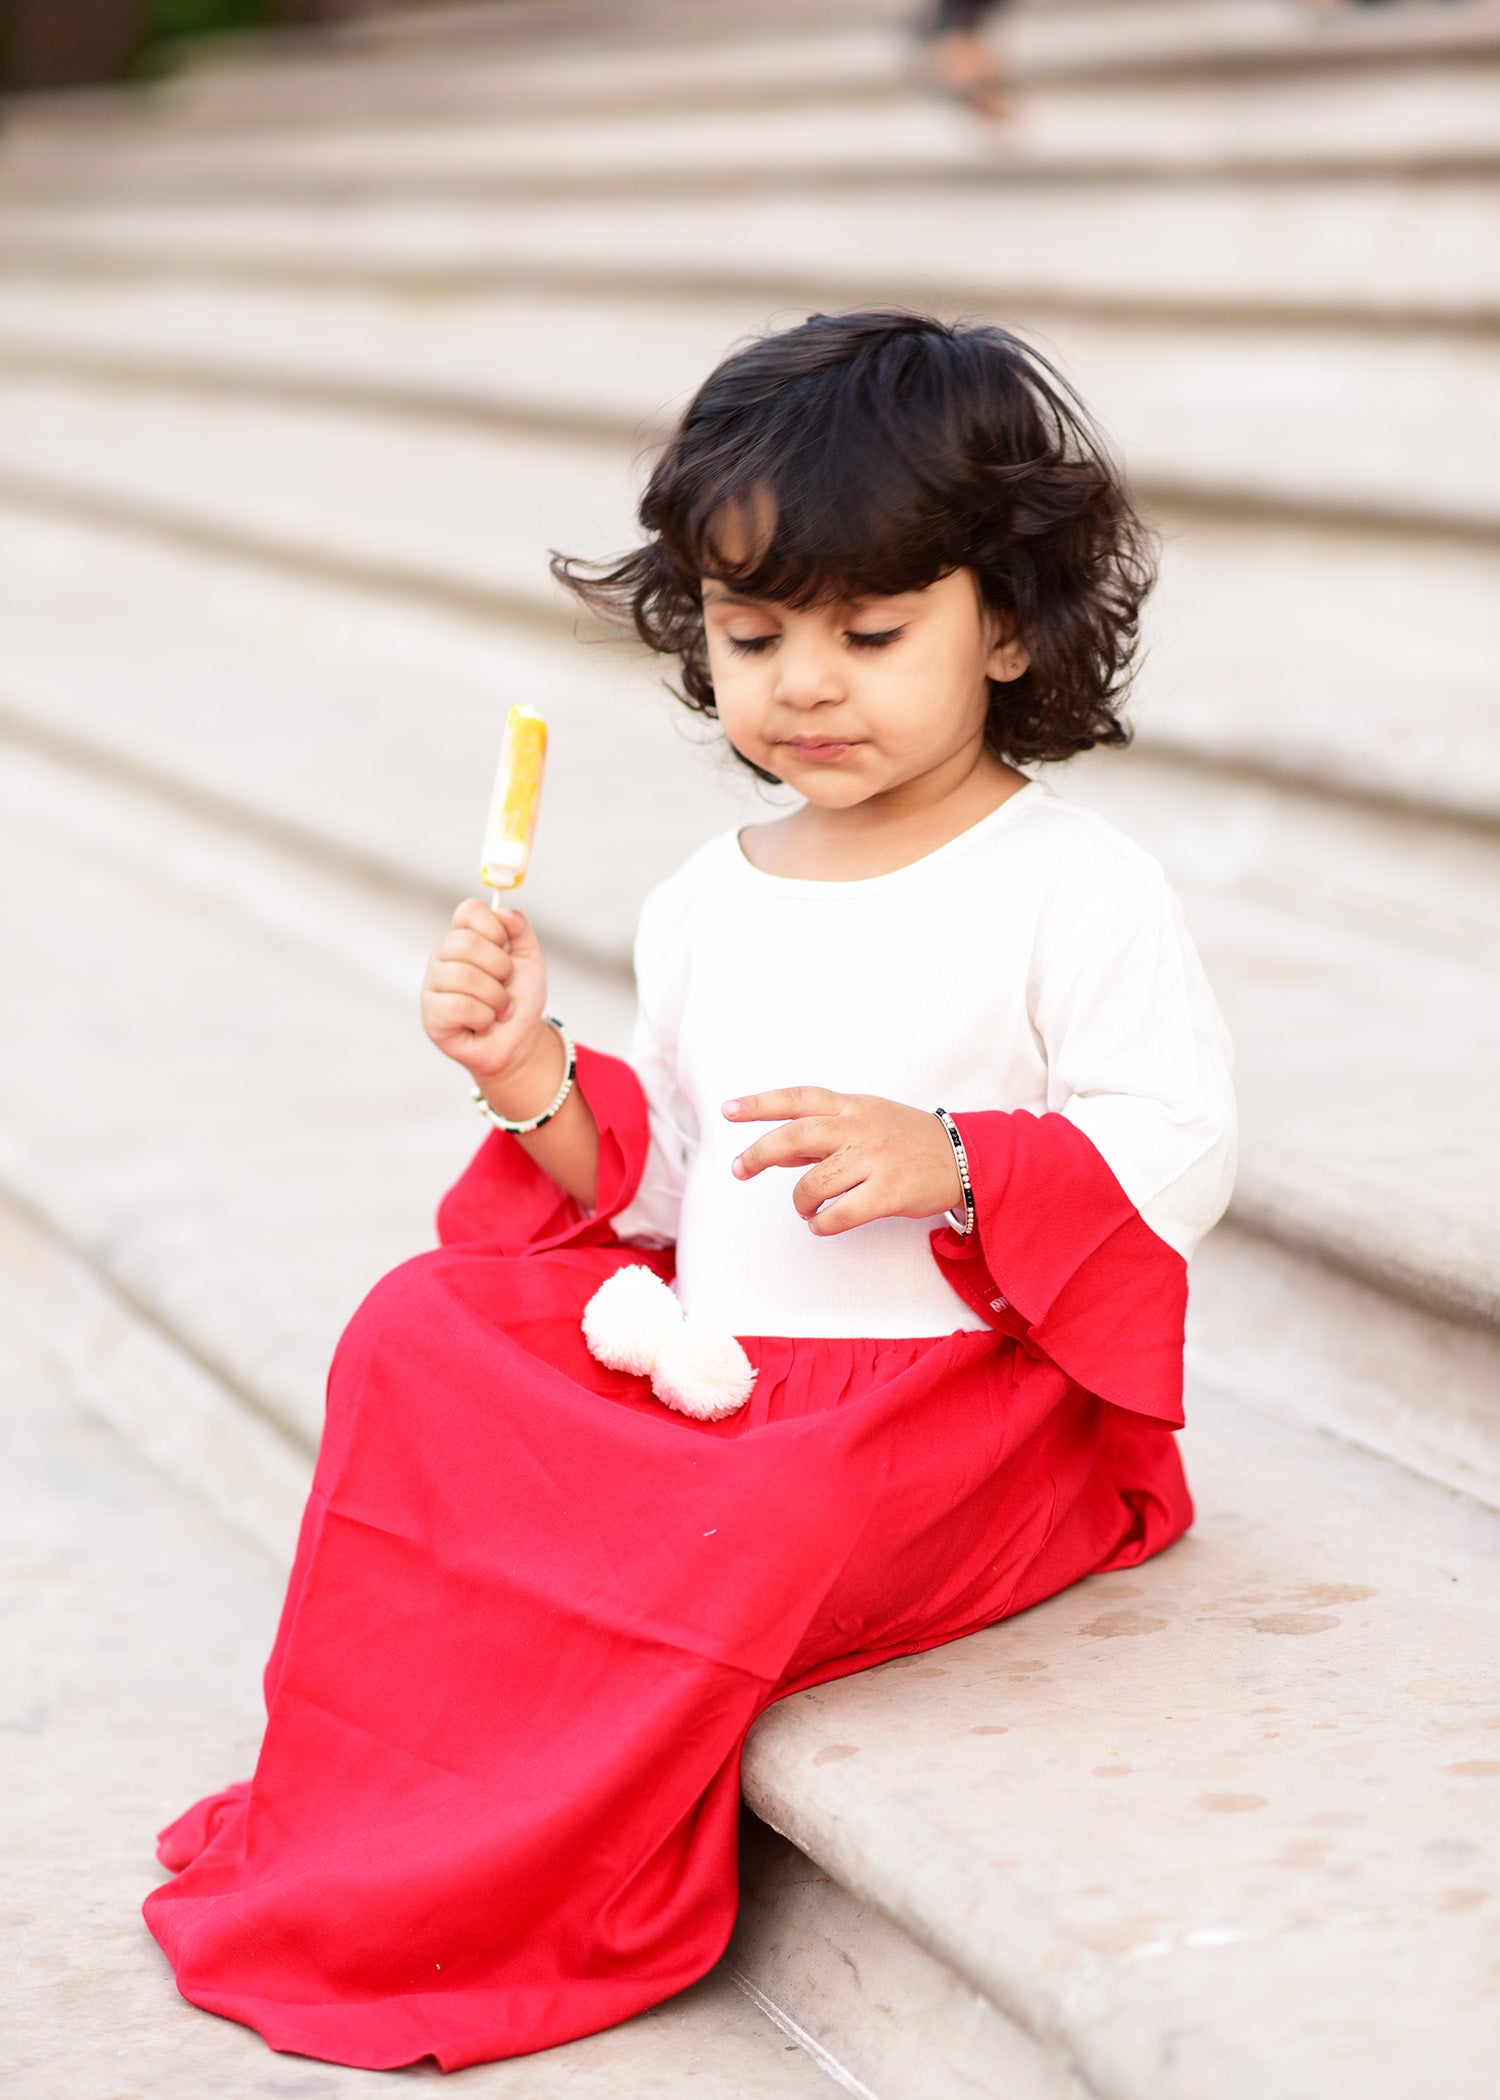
808, 672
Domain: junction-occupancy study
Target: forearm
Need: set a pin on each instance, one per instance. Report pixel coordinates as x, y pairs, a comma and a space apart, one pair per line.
566, 1147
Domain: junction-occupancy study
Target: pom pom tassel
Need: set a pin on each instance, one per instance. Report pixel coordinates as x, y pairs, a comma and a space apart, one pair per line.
634, 1323
628, 1319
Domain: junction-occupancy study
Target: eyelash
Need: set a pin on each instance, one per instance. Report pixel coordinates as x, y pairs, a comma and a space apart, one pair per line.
757, 644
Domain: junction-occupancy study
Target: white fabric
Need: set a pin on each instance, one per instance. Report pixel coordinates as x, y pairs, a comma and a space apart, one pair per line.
1037, 962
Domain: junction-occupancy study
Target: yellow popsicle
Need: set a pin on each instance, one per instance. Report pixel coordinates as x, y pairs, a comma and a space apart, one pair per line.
517, 790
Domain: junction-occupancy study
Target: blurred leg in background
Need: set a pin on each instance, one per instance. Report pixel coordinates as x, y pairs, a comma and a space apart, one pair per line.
961, 60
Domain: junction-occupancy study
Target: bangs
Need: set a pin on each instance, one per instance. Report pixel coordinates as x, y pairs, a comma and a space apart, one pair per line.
827, 538
837, 487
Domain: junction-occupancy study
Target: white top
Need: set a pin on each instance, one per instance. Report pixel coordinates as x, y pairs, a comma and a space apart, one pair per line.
1038, 961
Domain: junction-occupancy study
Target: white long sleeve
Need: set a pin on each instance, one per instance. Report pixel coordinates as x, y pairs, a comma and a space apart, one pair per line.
1138, 1056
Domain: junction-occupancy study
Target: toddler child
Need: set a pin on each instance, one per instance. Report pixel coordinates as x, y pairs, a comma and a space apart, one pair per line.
927, 1105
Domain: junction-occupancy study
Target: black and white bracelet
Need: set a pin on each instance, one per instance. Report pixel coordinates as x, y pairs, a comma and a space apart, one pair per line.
570, 1067
963, 1225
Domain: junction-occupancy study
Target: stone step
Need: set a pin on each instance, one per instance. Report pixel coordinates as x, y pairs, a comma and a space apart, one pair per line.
1280, 650
442, 514
679, 44
1355, 957
622, 61
1375, 247
138, 1627
1416, 120
1076, 36
1214, 1827
1342, 1038
275, 1130
1209, 1862
362, 731
376, 722
1324, 422
460, 517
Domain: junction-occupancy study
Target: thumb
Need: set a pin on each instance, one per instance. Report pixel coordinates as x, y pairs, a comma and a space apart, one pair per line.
518, 929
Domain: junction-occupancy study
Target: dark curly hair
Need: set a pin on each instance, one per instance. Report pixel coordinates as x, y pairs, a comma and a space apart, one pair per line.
885, 450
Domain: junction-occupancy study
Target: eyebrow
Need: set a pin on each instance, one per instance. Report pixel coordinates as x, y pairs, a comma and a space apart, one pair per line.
715, 594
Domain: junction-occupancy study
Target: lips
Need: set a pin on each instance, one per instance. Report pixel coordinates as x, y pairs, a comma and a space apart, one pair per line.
819, 748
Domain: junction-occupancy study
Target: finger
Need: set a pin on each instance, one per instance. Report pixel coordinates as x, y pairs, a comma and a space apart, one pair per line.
829, 1178
781, 1102
476, 916
855, 1207
456, 1013
474, 948
791, 1145
464, 977
517, 927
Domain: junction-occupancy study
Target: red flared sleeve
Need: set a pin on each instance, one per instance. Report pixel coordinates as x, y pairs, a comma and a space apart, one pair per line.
1060, 1257
504, 1200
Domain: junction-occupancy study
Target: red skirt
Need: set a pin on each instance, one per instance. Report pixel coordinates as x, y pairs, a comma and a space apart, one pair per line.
533, 1613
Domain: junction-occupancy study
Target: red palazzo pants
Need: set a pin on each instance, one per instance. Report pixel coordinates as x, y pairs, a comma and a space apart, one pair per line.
533, 1613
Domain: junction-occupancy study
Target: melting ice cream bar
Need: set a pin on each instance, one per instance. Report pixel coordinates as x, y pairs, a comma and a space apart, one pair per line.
518, 787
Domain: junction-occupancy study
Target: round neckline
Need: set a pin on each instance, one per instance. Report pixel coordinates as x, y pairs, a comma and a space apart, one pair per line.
864, 883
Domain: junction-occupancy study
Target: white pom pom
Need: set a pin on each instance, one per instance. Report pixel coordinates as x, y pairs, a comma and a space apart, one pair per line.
703, 1371
629, 1318
633, 1322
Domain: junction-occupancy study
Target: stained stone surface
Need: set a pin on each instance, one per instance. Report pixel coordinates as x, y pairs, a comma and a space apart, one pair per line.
1225, 243
1394, 422
1229, 1820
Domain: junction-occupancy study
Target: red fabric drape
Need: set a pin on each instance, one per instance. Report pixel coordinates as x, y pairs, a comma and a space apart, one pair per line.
533, 1612
504, 1200
1061, 1259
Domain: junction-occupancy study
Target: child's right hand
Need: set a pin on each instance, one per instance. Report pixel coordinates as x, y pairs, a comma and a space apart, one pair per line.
485, 991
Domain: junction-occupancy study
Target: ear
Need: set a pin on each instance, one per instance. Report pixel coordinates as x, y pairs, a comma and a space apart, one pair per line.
1009, 656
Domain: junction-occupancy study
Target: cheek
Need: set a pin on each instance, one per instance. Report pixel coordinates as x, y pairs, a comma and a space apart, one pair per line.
738, 700
901, 695
927, 701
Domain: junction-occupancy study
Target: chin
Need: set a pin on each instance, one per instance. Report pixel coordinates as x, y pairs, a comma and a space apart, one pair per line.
827, 790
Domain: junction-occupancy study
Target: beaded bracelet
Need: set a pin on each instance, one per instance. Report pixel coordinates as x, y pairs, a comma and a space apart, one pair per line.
530, 1123
965, 1224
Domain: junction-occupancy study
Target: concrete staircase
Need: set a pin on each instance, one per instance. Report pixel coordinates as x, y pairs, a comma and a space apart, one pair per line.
307, 358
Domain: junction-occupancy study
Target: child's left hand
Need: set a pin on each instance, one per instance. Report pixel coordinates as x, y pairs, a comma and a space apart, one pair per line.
868, 1158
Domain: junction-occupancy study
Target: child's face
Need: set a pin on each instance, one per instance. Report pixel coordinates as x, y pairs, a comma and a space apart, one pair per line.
845, 702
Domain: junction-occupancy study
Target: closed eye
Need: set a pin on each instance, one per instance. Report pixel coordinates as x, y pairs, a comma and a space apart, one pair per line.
881, 640
750, 644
